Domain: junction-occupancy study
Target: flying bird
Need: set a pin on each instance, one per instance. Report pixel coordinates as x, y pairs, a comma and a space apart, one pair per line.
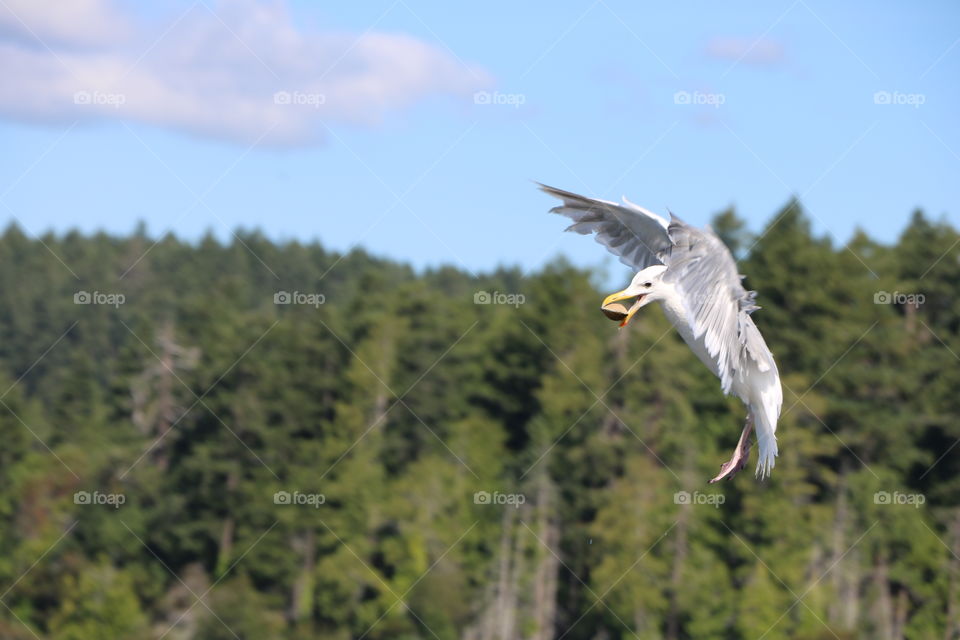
691, 273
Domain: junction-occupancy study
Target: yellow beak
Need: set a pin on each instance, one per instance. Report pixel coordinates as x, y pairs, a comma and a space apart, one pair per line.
617, 297
623, 295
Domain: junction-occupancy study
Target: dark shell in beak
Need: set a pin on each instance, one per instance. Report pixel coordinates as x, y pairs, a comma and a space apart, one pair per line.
615, 311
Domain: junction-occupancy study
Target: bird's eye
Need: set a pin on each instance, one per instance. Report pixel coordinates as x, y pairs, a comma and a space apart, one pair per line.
648, 284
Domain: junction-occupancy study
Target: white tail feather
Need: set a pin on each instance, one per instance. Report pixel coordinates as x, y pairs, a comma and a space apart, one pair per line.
766, 441
766, 398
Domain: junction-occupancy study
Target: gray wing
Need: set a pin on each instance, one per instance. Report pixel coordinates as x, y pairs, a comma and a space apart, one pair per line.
637, 236
716, 304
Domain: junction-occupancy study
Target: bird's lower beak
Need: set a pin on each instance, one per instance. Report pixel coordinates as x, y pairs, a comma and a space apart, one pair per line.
612, 308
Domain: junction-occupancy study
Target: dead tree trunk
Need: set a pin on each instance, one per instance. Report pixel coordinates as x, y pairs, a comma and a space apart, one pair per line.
545, 579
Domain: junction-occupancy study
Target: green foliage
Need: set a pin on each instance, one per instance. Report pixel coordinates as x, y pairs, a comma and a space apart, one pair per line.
400, 462
98, 602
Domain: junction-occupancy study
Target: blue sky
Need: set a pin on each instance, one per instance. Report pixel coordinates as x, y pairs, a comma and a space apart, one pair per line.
415, 128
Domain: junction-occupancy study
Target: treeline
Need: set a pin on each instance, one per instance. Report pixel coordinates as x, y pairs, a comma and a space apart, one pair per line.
261, 440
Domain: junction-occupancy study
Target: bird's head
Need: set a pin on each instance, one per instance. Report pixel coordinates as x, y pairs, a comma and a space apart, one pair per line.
646, 287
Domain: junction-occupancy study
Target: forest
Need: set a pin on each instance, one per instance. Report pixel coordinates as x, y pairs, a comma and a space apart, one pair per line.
253, 439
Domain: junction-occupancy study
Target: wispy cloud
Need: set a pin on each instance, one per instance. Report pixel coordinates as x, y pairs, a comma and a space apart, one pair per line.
239, 71
761, 52
78, 23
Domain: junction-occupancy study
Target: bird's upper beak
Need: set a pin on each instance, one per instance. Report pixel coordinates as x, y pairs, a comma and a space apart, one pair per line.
615, 311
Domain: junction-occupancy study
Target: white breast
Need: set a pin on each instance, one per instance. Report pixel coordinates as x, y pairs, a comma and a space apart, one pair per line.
673, 309
678, 318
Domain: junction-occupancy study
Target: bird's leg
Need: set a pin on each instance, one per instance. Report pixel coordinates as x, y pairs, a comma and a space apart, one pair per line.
740, 455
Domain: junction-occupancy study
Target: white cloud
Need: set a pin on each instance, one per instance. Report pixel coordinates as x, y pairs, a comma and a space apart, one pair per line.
77, 23
239, 74
762, 52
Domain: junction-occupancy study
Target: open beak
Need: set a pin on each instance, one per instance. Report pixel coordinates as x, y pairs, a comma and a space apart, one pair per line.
614, 310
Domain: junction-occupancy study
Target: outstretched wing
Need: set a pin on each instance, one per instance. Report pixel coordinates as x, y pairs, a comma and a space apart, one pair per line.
637, 236
716, 304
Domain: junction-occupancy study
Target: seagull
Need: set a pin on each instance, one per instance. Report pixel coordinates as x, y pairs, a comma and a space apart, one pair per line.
693, 276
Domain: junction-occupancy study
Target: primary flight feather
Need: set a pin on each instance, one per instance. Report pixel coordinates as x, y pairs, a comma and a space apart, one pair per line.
691, 273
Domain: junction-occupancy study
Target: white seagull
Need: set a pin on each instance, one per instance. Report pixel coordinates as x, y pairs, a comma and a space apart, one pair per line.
691, 273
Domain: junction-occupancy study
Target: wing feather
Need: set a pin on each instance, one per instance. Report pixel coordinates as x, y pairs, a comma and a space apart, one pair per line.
633, 234
716, 304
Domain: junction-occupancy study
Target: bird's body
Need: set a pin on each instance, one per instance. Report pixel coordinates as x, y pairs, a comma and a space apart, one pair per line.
673, 310
691, 273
